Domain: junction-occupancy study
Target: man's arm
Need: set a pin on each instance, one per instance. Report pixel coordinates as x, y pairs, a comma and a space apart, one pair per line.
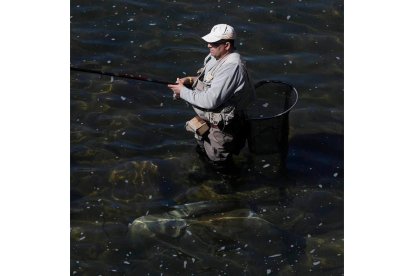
223, 86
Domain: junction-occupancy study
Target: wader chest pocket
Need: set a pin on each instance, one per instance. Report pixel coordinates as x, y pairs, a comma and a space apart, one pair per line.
197, 125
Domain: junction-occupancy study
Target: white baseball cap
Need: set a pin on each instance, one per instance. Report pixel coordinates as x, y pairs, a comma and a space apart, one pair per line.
219, 32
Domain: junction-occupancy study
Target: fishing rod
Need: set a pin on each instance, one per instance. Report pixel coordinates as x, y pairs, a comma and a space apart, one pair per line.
125, 76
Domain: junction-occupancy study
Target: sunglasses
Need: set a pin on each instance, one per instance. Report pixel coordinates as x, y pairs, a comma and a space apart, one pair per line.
218, 43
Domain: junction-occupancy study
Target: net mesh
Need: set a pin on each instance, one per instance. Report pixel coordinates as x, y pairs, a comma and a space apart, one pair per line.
268, 118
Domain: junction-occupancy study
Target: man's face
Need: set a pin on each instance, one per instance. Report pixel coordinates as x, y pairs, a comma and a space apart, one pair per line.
218, 49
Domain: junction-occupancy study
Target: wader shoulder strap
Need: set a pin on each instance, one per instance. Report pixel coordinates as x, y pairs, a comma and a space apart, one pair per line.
198, 84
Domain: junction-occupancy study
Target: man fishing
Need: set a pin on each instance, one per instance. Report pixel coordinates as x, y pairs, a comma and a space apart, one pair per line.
219, 94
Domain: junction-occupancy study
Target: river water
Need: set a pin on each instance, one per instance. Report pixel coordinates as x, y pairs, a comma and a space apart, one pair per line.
143, 203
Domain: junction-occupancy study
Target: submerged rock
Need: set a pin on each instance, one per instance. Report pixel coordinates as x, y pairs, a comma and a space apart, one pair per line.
214, 234
173, 223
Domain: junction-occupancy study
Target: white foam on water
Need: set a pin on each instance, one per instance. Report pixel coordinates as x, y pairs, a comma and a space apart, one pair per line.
275, 255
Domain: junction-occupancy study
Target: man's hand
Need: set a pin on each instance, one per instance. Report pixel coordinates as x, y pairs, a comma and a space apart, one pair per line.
176, 88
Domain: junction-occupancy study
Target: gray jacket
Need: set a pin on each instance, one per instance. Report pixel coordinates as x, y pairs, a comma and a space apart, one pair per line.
225, 89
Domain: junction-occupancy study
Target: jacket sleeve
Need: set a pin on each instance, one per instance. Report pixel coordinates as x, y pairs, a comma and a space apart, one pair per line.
226, 82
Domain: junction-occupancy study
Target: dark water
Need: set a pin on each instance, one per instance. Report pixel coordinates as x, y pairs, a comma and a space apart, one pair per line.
143, 203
